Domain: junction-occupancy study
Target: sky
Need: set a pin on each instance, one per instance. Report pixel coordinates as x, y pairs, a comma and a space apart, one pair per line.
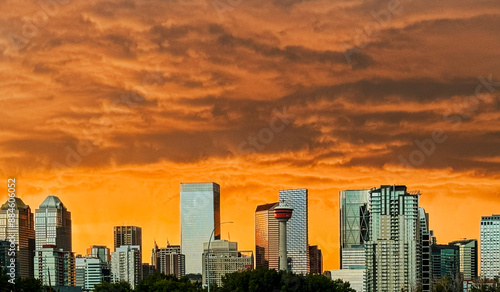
110, 105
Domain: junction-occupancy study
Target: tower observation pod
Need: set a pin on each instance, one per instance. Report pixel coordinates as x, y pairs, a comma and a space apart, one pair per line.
283, 213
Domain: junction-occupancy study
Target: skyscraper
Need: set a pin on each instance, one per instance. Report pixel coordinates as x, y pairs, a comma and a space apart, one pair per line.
425, 268
54, 266
200, 214
89, 272
53, 224
468, 257
101, 252
10, 268
354, 224
130, 236
127, 235
445, 262
24, 235
266, 237
169, 260
393, 249
490, 246
297, 229
126, 264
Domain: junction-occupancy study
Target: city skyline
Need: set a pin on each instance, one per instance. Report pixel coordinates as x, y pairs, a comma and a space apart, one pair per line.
110, 104
146, 253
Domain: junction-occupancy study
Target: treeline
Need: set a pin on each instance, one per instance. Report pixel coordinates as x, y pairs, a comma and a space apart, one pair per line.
259, 280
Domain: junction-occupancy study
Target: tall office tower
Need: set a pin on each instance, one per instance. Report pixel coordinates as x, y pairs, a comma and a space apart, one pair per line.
54, 266
200, 214
425, 267
468, 258
354, 224
23, 229
127, 235
101, 252
224, 258
169, 260
445, 262
53, 224
89, 272
266, 237
126, 264
315, 260
12, 269
490, 246
297, 229
392, 252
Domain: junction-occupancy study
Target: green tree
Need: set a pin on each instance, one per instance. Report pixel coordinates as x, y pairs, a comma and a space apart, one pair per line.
160, 282
115, 287
270, 280
29, 284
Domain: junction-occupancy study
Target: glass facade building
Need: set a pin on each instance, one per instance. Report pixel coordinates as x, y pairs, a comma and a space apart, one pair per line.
54, 266
101, 252
266, 237
24, 230
200, 214
490, 246
445, 262
468, 258
394, 246
53, 224
354, 224
89, 272
297, 229
5, 259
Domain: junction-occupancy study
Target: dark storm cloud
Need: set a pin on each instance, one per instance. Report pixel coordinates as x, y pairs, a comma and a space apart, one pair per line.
378, 90
181, 85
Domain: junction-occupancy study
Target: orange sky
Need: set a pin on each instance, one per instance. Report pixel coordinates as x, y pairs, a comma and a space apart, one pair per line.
110, 105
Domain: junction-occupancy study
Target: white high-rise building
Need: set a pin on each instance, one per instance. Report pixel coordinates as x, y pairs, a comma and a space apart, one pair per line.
224, 258
490, 246
88, 272
126, 264
297, 229
393, 251
200, 214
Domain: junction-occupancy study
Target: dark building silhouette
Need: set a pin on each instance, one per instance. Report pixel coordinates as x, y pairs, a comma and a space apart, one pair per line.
315, 260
